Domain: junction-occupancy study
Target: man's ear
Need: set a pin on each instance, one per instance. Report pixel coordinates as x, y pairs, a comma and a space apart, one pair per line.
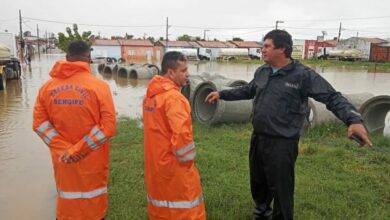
283, 50
169, 72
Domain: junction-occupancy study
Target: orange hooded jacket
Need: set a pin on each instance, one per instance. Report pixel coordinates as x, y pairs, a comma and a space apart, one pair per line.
172, 181
74, 112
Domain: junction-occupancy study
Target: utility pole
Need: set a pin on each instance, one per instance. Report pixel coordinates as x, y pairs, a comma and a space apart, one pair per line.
338, 39
204, 34
39, 49
277, 22
166, 37
21, 55
46, 41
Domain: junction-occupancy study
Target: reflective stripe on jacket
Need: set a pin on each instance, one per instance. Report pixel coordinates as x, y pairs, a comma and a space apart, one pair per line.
74, 112
172, 181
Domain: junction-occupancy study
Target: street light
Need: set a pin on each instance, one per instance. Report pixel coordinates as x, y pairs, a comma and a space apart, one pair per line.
204, 34
277, 22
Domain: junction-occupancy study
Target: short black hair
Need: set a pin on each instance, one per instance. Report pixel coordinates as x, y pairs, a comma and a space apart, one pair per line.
77, 47
281, 39
170, 59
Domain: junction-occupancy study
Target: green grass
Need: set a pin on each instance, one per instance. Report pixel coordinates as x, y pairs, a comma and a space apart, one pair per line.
365, 65
335, 179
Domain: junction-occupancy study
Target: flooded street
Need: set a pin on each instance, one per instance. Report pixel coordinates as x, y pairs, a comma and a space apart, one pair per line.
27, 189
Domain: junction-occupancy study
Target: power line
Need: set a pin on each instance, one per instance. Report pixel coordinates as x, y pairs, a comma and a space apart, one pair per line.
308, 28
362, 30
220, 28
31, 29
339, 19
141, 26
95, 25
224, 30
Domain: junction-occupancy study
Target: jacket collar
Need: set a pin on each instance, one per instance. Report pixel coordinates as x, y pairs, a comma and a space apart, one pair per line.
284, 70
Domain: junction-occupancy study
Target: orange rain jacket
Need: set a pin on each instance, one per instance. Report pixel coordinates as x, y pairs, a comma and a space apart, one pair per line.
172, 181
74, 112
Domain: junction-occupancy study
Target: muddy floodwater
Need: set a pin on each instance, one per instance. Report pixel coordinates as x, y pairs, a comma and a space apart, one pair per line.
27, 189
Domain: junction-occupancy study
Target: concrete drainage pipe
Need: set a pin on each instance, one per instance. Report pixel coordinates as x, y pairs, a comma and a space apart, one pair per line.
154, 68
115, 68
123, 71
195, 80
108, 68
221, 80
220, 111
374, 112
319, 113
101, 67
141, 73
189, 89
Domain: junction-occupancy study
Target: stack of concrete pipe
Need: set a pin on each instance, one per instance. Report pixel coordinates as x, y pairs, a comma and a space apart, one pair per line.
123, 70
137, 72
132, 71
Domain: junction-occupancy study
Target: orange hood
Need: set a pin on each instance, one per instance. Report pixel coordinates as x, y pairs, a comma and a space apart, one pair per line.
159, 85
65, 69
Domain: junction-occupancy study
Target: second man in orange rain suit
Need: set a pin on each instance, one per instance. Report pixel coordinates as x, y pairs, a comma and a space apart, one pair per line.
74, 115
173, 184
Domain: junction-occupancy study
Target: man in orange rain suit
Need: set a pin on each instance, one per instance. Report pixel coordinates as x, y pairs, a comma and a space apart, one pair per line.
173, 185
75, 116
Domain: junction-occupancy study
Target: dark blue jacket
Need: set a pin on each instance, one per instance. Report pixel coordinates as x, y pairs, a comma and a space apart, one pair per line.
281, 99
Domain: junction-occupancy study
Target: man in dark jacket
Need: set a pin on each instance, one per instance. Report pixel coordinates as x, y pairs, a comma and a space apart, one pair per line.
280, 90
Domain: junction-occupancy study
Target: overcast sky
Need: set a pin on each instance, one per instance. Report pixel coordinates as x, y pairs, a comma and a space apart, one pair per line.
250, 20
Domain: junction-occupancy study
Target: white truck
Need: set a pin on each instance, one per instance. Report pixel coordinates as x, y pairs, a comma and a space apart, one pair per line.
223, 54
254, 53
345, 54
9, 63
233, 54
190, 53
205, 53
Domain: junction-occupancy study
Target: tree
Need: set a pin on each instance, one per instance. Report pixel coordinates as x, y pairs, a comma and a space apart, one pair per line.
185, 37
151, 39
237, 39
64, 41
95, 37
128, 37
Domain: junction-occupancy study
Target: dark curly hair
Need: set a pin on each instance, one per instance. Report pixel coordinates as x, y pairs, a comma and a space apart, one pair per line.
281, 39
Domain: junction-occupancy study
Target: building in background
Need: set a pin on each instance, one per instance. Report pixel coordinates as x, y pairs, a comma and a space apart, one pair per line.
362, 44
298, 52
106, 48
